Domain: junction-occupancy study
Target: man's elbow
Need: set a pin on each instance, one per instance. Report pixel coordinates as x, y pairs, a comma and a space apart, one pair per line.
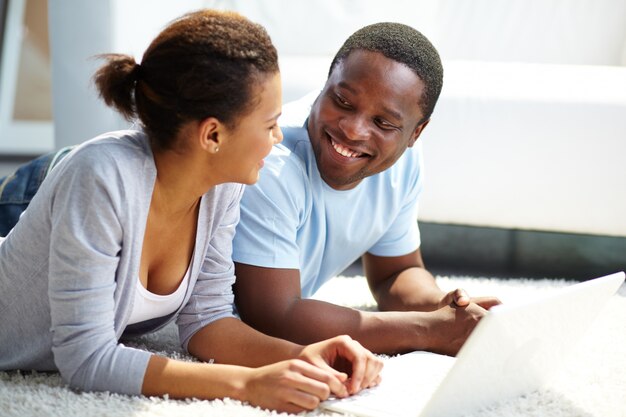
270, 317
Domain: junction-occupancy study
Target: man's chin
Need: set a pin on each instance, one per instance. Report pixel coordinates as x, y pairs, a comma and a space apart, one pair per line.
342, 183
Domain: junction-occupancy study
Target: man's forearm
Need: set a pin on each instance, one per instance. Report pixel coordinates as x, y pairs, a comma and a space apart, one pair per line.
308, 321
413, 289
269, 300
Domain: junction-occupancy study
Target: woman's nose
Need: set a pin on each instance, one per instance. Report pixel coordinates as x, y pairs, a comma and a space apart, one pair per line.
278, 135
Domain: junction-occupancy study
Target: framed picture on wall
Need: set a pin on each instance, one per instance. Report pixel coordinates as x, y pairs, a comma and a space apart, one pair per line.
26, 123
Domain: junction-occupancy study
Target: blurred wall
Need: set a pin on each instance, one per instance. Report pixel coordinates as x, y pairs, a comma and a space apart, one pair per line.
79, 30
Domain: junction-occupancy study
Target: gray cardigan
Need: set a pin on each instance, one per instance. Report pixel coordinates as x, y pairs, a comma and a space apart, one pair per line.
68, 269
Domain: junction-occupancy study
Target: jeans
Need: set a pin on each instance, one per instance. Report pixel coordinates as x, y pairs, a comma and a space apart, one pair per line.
19, 188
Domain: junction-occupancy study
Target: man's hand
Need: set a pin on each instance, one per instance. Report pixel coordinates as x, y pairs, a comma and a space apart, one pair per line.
451, 325
460, 298
457, 315
342, 353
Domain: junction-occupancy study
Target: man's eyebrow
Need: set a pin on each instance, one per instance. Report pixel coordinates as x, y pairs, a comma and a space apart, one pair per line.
345, 85
393, 113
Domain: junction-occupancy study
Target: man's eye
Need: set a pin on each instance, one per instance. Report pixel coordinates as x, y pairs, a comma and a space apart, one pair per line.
341, 101
383, 124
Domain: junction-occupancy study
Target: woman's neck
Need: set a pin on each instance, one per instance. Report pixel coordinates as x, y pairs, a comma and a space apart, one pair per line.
179, 183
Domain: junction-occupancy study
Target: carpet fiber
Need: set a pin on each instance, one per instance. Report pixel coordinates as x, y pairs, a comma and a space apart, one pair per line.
593, 382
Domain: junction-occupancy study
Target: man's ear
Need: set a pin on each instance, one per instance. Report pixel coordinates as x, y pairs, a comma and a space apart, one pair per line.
211, 134
417, 132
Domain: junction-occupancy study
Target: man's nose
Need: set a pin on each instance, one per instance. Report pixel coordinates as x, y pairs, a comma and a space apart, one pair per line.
354, 128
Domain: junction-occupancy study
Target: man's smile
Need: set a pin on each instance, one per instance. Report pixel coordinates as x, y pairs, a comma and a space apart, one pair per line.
345, 151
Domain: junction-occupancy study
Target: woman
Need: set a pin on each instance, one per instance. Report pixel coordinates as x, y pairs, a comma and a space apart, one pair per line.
133, 229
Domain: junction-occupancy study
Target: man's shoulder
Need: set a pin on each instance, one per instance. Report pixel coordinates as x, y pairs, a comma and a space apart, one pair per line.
283, 179
284, 182
290, 157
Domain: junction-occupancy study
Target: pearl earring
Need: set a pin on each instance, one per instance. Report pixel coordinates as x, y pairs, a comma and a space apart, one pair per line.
217, 149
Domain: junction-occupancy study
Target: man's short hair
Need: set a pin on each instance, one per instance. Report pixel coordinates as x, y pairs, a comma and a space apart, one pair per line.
403, 44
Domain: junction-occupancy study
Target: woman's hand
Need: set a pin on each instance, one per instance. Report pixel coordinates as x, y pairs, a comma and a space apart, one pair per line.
292, 386
342, 353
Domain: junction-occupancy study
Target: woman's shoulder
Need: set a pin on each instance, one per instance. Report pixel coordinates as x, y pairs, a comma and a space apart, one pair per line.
228, 194
118, 164
120, 145
123, 150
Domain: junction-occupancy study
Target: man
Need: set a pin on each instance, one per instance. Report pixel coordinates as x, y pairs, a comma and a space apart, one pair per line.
344, 184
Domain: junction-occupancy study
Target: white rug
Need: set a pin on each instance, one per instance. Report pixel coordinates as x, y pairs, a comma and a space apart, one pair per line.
592, 384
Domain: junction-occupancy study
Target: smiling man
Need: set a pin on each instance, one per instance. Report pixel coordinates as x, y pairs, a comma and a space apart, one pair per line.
345, 184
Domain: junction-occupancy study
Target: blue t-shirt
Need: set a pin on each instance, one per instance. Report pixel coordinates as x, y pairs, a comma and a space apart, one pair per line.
292, 219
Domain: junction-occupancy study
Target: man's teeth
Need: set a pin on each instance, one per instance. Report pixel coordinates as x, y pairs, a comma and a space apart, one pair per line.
344, 151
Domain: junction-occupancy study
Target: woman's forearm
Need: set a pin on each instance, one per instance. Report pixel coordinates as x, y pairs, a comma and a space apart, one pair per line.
230, 341
180, 379
291, 386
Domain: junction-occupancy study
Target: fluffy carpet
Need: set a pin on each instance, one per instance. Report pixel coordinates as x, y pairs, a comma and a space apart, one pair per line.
593, 382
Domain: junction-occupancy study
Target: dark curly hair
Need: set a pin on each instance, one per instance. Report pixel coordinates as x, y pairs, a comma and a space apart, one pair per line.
403, 44
203, 64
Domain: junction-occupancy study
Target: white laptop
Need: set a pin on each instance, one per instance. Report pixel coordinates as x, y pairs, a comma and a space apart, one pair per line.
512, 351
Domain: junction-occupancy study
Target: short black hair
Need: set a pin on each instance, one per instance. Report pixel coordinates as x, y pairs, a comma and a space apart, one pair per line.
405, 45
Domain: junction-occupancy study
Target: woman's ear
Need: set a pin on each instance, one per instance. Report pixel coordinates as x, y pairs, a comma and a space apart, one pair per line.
211, 133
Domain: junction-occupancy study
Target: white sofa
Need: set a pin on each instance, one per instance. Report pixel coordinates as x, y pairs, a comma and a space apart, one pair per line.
530, 130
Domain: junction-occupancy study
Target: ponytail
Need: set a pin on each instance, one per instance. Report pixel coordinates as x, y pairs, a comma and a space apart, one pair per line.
115, 81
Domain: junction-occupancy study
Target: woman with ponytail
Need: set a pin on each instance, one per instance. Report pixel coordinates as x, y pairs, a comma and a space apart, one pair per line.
132, 230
